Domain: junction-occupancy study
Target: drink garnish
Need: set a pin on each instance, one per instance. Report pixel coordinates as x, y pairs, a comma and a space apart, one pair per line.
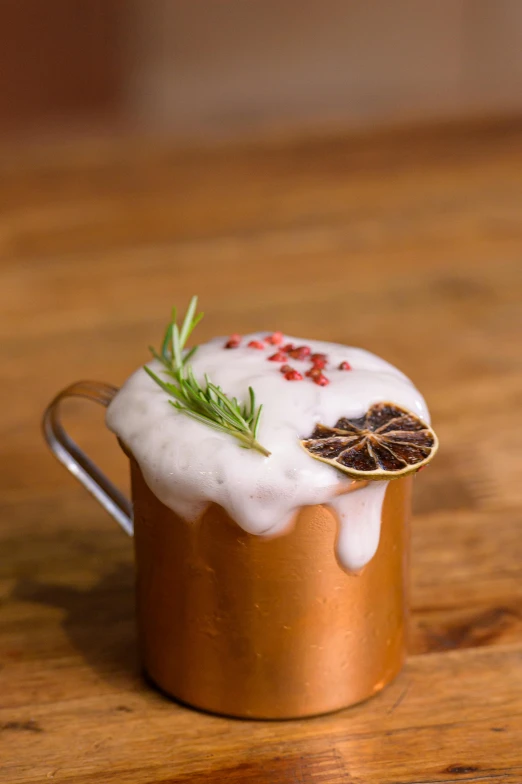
207, 404
386, 443
293, 375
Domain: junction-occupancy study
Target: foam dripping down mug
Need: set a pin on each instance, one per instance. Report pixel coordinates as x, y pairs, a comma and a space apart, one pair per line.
236, 616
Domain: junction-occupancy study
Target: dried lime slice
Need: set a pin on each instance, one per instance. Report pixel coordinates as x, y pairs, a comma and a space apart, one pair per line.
386, 443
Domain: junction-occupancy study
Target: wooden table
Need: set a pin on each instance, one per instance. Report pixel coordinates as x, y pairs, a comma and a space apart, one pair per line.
409, 244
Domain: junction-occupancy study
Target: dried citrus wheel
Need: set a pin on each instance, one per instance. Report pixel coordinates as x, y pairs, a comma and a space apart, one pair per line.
386, 443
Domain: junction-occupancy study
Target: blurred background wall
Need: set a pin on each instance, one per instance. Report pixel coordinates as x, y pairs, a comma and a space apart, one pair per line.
246, 66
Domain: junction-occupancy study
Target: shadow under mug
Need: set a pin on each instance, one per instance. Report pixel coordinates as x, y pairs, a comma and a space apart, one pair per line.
247, 626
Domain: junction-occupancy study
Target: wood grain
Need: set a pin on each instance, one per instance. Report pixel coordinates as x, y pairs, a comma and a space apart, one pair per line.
408, 244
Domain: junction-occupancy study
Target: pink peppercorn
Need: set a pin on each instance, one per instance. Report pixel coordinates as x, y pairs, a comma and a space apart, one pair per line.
233, 341
301, 352
288, 347
314, 372
321, 380
345, 366
279, 356
293, 375
319, 363
275, 338
317, 357
285, 369
256, 344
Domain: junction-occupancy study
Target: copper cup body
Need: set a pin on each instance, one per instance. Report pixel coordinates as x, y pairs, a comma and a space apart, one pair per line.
248, 626
274, 628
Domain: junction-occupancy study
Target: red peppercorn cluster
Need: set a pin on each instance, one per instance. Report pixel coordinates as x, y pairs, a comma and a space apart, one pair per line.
301, 353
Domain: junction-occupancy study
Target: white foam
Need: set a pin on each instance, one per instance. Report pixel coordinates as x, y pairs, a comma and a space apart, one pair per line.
188, 465
359, 516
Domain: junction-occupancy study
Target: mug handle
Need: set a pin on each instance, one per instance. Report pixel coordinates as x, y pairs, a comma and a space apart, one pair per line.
76, 461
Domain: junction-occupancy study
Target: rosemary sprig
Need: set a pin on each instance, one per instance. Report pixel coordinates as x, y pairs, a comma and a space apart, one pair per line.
207, 404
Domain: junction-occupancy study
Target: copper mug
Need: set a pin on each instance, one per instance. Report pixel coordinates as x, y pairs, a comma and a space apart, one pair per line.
249, 626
